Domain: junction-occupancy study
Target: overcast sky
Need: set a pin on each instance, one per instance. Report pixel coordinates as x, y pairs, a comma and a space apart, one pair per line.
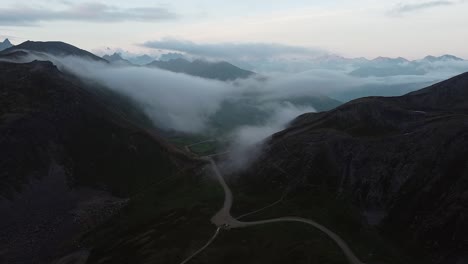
351, 28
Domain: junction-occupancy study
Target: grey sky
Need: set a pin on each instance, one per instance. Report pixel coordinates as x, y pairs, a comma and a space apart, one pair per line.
352, 28
87, 12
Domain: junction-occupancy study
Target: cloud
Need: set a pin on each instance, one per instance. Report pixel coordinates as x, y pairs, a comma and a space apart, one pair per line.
87, 12
247, 140
402, 9
232, 51
185, 103
171, 100
176, 101
195, 105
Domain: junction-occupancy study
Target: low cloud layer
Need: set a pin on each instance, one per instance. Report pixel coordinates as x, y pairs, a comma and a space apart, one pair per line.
190, 104
21, 15
247, 140
233, 51
173, 101
181, 102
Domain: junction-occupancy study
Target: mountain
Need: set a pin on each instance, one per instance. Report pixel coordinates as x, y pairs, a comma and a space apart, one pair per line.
82, 179
442, 58
386, 67
245, 112
223, 71
55, 48
400, 160
15, 55
116, 58
171, 56
390, 60
140, 60
70, 160
379, 89
86, 178
5, 44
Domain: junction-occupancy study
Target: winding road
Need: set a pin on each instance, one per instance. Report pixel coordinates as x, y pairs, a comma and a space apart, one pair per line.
223, 218
202, 248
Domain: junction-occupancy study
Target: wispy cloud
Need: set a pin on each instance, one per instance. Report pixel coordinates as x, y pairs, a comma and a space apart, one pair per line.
234, 51
87, 12
402, 9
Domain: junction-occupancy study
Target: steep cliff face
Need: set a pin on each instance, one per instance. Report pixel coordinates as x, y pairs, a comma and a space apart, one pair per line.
402, 160
67, 161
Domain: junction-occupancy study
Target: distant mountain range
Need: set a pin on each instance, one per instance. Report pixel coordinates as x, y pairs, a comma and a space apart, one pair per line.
212, 70
360, 67
223, 71
140, 59
384, 67
5, 44
116, 58
340, 63
171, 56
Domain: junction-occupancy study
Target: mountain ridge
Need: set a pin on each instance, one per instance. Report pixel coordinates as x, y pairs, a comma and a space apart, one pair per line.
56, 48
223, 71
59, 177
400, 159
116, 58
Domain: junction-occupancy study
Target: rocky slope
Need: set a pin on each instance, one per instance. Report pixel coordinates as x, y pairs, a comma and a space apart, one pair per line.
402, 161
68, 161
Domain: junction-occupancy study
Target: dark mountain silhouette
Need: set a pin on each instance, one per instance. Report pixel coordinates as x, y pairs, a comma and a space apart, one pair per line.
55, 48
223, 71
5, 44
68, 161
401, 160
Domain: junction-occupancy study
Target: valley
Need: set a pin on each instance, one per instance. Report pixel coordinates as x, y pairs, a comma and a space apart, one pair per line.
110, 163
